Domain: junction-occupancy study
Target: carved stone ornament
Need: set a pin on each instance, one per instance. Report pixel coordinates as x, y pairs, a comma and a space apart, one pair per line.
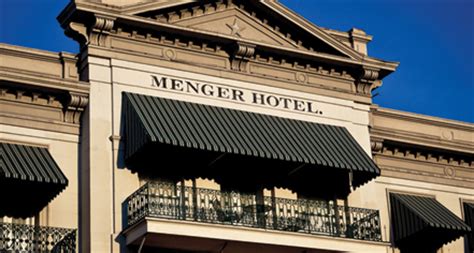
170, 54
96, 34
450, 172
236, 29
447, 135
376, 145
77, 32
242, 54
100, 30
368, 81
301, 77
75, 107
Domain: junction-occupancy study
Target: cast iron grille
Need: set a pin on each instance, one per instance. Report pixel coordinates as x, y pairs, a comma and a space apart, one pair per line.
21, 238
168, 201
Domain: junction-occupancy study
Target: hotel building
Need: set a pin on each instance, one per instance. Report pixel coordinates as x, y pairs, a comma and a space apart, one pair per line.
220, 126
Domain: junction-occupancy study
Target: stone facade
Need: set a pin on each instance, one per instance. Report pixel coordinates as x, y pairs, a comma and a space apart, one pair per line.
252, 56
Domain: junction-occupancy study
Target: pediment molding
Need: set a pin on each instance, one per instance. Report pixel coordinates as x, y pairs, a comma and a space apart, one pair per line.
275, 27
283, 56
235, 22
80, 18
153, 5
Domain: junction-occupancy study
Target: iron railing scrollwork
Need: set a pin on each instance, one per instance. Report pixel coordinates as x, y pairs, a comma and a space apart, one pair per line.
67, 244
21, 238
171, 201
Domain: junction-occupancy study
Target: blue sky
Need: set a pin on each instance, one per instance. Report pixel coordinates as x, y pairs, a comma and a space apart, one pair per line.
432, 39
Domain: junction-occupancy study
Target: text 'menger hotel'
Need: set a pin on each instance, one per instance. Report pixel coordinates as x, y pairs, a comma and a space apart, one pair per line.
220, 126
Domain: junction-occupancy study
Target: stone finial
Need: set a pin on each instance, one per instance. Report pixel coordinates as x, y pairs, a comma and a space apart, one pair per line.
359, 40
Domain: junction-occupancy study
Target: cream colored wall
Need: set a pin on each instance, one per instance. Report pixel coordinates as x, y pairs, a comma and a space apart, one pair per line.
62, 211
134, 77
111, 183
111, 78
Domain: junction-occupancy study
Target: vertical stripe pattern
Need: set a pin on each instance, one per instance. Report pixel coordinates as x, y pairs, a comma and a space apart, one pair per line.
204, 127
29, 163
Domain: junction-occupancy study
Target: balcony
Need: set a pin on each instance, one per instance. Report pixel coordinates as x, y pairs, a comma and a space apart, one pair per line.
21, 238
314, 217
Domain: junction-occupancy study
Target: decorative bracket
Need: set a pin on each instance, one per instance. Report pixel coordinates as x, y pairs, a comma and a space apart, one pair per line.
101, 29
376, 145
95, 34
74, 107
241, 55
368, 81
77, 32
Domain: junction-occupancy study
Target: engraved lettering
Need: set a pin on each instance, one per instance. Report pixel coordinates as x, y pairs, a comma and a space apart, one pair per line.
159, 82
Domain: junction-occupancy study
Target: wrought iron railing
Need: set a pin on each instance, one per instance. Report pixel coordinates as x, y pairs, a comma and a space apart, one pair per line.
21, 238
167, 200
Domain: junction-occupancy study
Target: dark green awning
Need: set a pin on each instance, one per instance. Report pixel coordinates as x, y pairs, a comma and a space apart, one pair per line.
29, 179
196, 126
423, 222
469, 218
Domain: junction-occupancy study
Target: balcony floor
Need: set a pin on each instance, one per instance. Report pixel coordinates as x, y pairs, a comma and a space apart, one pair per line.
204, 237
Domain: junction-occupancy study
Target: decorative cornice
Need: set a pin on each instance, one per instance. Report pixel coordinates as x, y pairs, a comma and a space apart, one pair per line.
201, 46
312, 29
22, 95
241, 55
421, 130
422, 119
71, 103
198, 10
446, 176
202, 57
419, 153
41, 95
146, 25
74, 107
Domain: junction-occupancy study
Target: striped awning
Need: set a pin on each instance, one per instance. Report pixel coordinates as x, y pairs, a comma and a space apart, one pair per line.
29, 179
215, 129
469, 218
423, 222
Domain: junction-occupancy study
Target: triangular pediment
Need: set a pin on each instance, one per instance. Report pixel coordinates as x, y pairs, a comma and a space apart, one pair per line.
237, 23
266, 22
